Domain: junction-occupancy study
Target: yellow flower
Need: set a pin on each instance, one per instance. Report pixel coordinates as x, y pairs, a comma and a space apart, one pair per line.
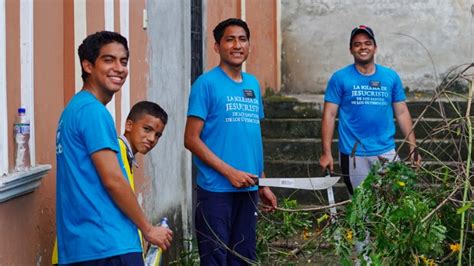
401, 183
456, 247
426, 261
305, 234
349, 235
430, 262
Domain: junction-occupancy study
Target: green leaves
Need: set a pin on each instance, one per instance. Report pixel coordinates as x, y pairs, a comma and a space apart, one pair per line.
389, 208
282, 227
464, 208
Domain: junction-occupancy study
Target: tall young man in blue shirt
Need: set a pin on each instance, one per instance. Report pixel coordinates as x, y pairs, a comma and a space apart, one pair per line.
367, 96
223, 133
97, 213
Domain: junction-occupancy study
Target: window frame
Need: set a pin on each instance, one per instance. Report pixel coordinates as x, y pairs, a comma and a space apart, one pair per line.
14, 184
3, 94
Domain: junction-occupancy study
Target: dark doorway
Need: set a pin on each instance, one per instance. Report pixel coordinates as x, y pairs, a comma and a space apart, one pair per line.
196, 69
196, 39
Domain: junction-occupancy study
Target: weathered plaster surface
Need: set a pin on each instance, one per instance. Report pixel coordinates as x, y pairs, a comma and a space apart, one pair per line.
316, 39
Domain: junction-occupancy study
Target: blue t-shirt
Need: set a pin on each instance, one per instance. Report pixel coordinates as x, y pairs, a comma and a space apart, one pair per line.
231, 112
365, 108
89, 224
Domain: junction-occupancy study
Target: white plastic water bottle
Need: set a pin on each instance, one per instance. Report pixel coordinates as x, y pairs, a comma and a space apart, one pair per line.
22, 137
154, 255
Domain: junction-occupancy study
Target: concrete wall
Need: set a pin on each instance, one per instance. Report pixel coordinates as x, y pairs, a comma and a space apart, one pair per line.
169, 33
316, 39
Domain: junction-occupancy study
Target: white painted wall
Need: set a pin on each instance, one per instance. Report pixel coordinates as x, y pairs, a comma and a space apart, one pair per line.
80, 32
109, 20
3, 94
27, 81
125, 31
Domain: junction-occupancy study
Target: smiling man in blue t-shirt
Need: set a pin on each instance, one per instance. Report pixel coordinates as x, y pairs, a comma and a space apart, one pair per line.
97, 213
223, 133
367, 96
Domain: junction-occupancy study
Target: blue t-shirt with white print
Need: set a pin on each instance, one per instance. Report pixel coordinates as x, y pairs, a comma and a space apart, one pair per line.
89, 224
231, 112
365, 108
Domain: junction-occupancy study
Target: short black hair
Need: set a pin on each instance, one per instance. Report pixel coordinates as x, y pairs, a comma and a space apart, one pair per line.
147, 108
220, 28
90, 48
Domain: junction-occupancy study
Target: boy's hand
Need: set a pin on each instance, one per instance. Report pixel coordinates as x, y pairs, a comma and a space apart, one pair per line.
160, 236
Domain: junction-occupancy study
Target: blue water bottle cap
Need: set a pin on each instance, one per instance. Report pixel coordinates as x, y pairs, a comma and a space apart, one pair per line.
21, 110
164, 222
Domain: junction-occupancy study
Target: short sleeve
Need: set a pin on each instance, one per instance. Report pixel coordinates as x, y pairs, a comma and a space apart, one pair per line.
199, 98
333, 92
97, 128
398, 94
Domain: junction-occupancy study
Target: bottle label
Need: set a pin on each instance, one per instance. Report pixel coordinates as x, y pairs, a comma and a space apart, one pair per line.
22, 128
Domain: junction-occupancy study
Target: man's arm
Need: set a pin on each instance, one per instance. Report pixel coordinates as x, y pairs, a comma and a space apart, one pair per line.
327, 132
106, 163
404, 121
193, 142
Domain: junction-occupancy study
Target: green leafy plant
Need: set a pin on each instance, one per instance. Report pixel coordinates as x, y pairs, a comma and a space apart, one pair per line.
387, 218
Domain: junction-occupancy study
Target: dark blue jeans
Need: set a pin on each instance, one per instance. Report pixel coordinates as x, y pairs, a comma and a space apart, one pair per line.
226, 227
128, 259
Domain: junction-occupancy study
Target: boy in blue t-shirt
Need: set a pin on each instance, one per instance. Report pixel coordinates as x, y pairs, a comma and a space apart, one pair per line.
223, 133
367, 96
97, 214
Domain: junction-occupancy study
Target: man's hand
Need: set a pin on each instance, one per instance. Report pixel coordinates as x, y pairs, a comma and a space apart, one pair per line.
415, 158
326, 161
268, 198
160, 236
240, 179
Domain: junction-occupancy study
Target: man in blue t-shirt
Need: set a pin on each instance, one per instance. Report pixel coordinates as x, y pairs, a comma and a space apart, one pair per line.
97, 214
223, 133
367, 96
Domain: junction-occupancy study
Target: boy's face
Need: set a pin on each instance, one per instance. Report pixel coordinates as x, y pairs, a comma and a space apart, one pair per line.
234, 46
109, 71
144, 133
